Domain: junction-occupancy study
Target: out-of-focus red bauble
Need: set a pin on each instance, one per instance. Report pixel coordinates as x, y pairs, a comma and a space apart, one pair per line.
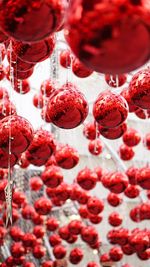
75, 227
38, 101
104, 258
26, 28
43, 205
21, 134
16, 233
15, 216
139, 89
67, 107
83, 212
113, 133
29, 264
80, 70
142, 113
126, 265
131, 137
4, 159
65, 58
76, 255
95, 219
110, 110
17, 250
19, 198
147, 141
118, 236
128, 249
143, 177
3, 93
36, 183
21, 75
89, 131
23, 162
29, 240
39, 231
95, 205
92, 264
114, 199
7, 108
115, 80
126, 94
145, 211
95, 147
116, 254
98, 46
17, 63
116, 182
100, 172
89, 235
131, 173
39, 251
59, 252
126, 153
64, 232
67, 157
87, 179
52, 224
22, 87
47, 88
37, 219
3, 37
19, 261
144, 255
63, 192
48, 264
135, 214
132, 191
52, 176
115, 219
139, 240
55, 240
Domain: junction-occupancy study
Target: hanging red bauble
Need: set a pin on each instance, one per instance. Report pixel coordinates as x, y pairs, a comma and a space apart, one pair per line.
92, 264
145, 211
67, 107
36, 183
21, 75
55, 240
75, 227
144, 255
83, 212
147, 141
65, 58
142, 113
95, 205
115, 80
28, 212
28, 264
43, 205
52, 176
95, 147
3, 93
17, 63
3, 233
72, 239
67, 157
139, 89
114, 199
26, 28
49, 264
110, 110
7, 108
39, 231
135, 214
132, 191
118, 236
16, 233
87, 179
100, 172
78, 194
19, 198
89, 131
116, 182
59, 252
21, 134
95, 219
5, 157
139, 241
115, 253
19, 261
143, 177
29, 240
64, 232
117, 41
89, 235
126, 94
131, 137
115, 219
128, 249
104, 258
38, 101
131, 173
39, 251
63, 192
76, 255
52, 224
80, 70
37, 219
126, 153
2, 73
58, 202
47, 87
21, 87
113, 133
17, 250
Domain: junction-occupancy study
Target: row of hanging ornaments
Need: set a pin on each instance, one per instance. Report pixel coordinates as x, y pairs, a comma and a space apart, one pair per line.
110, 37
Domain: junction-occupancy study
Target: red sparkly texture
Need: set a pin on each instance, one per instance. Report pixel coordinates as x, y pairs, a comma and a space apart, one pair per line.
52, 176
75, 227
16, 233
3, 93
21, 133
139, 89
19, 20
126, 95
29, 240
80, 70
113, 133
43, 206
17, 250
52, 224
87, 179
66, 156
115, 80
95, 147
110, 110
38, 101
2, 73
65, 58
139, 241
4, 158
126, 153
39, 231
28, 212
55, 240
34, 53
6, 108
117, 40
131, 137
89, 131
67, 107
47, 88
76, 255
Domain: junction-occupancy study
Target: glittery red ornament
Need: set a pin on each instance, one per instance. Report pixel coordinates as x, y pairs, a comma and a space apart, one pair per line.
55, 240
104, 258
113, 133
116, 182
63, 192
95, 219
17, 63
21, 87
39, 231
59, 252
135, 214
21, 75
80, 70
37, 219
89, 235
43, 205
52, 176
29, 240
83, 212
95, 205
28, 212
132, 191
126, 153
115, 80
38, 101
139, 241
39, 251
119, 236
7, 108
23, 162
76, 255
17, 250
26, 28
131, 137
36, 183
143, 177
144, 255
47, 87
145, 211
117, 40
4, 159
92, 264
139, 89
75, 227
110, 110
147, 141
115, 219
89, 131
126, 94
65, 58
131, 173
115, 254
16, 233
95, 147
142, 113
78, 194
19, 198
67, 107
3, 93
128, 249
67, 157
52, 224
87, 179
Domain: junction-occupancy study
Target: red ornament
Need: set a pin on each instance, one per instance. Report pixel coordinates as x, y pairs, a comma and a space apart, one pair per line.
59, 252
95, 205
21, 75
128, 249
116, 182
92, 264
29, 264
52, 176
64, 232
131, 173
65, 58
23, 162
114, 199
67, 107
17, 250
63, 192
39, 251
116, 254
28, 212
147, 141
95, 147
143, 177
115, 219
22, 87
89, 235
47, 88
52, 224
38, 101
100, 172
48, 264
75, 227
43, 206
55, 240
50, 13
36, 183
37, 219
131, 137
4, 158
80, 70
132, 191
16, 233
113, 133
115, 80
3, 37
87, 179
135, 214
139, 241
83, 212
21, 134
39, 231
126, 153
126, 94
66, 156
29, 240
89, 131
95, 219
76, 255
7, 108
139, 89
19, 261
97, 44
144, 255
2, 73
19, 198
142, 113
145, 211
110, 110
3, 93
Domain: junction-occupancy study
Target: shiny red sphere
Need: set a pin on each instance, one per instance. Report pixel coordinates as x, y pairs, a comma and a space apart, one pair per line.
87, 179
115, 254
38, 101
114, 199
65, 58
95, 205
115, 80
39, 251
89, 235
126, 94
59, 252
132, 191
80, 70
52, 176
95, 147
126, 153
116, 182
115, 219
47, 88
52, 224
113, 133
131, 137
55, 240
43, 205
29, 240
131, 173
76, 255
17, 250
67, 157
143, 177
89, 131
22, 87
36, 183
75, 227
